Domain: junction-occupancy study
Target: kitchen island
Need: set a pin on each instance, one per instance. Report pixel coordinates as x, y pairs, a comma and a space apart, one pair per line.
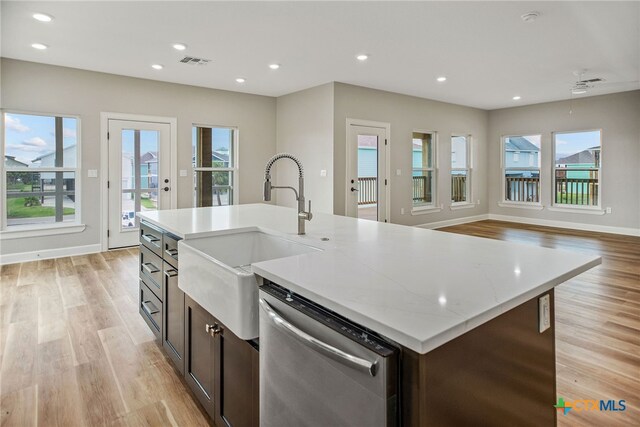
464, 310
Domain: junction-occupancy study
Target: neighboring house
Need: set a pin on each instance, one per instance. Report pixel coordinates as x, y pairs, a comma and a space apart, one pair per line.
367, 156
11, 162
47, 179
585, 159
520, 152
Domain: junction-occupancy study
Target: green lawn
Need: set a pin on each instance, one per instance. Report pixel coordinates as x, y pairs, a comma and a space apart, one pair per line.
17, 209
574, 198
147, 203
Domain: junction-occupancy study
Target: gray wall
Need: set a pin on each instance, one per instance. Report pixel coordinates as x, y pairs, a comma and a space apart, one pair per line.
305, 129
36, 87
406, 114
618, 115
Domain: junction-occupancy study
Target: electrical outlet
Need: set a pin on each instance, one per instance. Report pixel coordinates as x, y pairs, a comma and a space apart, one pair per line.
323, 172
608, 210
183, 172
544, 313
401, 211
478, 202
398, 172
92, 173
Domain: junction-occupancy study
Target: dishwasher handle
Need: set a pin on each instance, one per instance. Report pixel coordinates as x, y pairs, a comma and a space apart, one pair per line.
335, 353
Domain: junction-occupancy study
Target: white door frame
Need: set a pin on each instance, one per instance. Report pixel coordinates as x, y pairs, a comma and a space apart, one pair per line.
104, 162
387, 167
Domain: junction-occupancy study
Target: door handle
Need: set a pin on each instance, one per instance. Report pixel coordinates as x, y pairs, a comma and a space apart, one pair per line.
333, 352
354, 189
166, 188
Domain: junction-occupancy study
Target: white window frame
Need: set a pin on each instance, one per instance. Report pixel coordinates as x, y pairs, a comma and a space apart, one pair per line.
468, 169
575, 208
503, 164
234, 161
423, 207
38, 230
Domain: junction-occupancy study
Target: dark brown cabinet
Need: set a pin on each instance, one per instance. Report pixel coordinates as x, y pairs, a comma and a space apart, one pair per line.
173, 317
220, 369
200, 353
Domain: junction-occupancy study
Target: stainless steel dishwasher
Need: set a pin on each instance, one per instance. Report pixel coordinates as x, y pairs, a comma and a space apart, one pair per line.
319, 369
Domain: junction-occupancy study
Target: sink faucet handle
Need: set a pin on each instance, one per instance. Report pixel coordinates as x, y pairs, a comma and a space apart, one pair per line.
309, 214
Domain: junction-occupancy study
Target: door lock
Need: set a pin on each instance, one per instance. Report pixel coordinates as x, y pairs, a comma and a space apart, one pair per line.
166, 180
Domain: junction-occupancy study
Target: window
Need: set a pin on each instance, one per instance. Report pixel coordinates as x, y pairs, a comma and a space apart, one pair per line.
521, 168
214, 166
460, 169
423, 173
41, 171
576, 177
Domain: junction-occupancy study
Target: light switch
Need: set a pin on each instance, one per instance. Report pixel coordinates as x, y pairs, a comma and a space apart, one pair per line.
323, 172
398, 172
92, 173
183, 172
544, 313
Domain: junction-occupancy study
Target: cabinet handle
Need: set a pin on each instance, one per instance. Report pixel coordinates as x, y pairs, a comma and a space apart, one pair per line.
147, 307
170, 273
150, 268
213, 330
173, 253
150, 238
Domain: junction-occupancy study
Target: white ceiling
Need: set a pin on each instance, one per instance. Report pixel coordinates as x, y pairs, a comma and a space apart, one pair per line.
486, 51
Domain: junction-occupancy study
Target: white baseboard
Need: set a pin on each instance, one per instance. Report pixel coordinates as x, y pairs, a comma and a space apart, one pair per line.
565, 224
456, 221
49, 253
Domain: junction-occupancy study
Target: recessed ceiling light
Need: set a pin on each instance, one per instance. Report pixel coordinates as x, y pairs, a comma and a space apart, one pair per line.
179, 46
39, 46
42, 17
578, 91
274, 66
442, 79
240, 80
516, 98
157, 66
362, 57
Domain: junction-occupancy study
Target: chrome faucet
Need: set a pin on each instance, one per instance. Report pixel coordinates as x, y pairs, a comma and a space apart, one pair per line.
302, 215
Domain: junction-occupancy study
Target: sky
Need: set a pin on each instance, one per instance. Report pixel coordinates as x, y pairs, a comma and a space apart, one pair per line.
29, 136
571, 143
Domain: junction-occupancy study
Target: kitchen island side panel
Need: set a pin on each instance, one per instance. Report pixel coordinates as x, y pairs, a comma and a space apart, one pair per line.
501, 373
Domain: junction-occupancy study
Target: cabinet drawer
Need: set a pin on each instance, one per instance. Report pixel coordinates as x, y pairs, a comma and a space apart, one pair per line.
151, 270
151, 237
170, 249
151, 309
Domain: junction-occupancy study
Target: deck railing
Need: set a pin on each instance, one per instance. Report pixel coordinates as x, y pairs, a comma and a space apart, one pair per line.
522, 189
422, 189
458, 188
577, 191
367, 190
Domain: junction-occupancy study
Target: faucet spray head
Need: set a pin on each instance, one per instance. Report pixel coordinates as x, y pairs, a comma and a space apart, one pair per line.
266, 195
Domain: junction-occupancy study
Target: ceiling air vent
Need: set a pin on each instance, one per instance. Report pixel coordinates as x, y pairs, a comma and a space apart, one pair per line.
194, 61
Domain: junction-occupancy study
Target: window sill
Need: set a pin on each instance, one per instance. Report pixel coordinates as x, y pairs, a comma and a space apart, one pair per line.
458, 206
577, 209
521, 205
423, 210
19, 232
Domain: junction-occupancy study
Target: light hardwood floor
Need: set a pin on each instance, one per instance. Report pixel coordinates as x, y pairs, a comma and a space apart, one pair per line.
76, 352
597, 318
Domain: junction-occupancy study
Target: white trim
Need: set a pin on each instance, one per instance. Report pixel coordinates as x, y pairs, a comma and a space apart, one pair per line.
387, 128
455, 221
568, 225
423, 210
522, 205
37, 230
104, 162
577, 209
49, 254
461, 205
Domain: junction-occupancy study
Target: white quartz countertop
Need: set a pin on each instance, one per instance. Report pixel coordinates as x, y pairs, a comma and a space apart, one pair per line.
420, 288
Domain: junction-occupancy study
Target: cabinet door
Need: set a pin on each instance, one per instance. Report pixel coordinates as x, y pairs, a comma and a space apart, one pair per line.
173, 305
236, 381
199, 353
